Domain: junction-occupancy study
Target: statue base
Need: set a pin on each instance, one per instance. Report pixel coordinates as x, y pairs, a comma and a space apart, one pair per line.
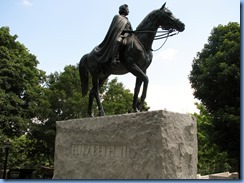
146, 145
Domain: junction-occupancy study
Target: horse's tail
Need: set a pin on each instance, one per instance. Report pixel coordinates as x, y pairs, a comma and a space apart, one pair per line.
84, 74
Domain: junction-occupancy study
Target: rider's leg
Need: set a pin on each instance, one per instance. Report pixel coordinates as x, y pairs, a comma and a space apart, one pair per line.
115, 59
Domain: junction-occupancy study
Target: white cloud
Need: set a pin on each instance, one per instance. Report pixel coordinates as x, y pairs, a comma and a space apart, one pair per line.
167, 54
26, 3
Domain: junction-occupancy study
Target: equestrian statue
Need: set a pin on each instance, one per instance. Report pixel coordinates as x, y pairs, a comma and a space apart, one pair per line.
124, 50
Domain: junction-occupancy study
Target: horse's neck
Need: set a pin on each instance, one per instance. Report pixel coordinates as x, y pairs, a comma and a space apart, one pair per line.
147, 35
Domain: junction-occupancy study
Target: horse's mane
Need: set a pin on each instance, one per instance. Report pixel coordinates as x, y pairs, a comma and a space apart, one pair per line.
146, 19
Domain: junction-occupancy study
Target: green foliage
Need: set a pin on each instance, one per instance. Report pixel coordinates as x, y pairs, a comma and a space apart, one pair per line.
210, 158
2, 151
22, 98
116, 99
20, 89
216, 67
215, 76
65, 94
65, 101
20, 153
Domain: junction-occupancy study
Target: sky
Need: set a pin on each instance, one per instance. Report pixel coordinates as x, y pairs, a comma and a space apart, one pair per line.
60, 32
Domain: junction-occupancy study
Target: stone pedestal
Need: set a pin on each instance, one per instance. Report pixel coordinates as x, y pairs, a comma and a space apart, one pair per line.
147, 145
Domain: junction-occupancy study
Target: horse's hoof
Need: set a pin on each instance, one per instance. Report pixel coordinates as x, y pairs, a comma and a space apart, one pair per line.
133, 111
90, 115
101, 113
139, 106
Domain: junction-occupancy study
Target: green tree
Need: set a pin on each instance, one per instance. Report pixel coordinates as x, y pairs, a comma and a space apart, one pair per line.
65, 102
65, 94
22, 98
20, 85
215, 76
210, 158
2, 150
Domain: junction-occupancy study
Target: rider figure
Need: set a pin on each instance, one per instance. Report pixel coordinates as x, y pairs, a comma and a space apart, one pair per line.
123, 12
120, 28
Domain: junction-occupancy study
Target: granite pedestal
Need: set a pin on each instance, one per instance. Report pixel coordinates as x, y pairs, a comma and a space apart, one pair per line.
147, 145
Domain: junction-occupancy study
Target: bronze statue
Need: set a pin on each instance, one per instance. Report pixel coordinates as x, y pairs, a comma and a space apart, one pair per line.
134, 53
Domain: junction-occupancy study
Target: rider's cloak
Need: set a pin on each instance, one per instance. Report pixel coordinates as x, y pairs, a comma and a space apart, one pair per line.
106, 50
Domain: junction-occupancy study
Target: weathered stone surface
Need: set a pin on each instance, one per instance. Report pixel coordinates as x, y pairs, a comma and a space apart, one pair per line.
147, 145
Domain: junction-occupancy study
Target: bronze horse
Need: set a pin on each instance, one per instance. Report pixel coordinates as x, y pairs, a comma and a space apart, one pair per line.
135, 57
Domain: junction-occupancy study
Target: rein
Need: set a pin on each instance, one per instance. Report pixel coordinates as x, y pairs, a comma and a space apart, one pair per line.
164, 34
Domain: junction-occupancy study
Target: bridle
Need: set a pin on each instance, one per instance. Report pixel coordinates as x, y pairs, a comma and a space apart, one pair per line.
163, 34
166, 34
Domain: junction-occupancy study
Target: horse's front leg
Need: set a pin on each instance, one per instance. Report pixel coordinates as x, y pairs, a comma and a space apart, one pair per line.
136, 92
141, 77
144, 93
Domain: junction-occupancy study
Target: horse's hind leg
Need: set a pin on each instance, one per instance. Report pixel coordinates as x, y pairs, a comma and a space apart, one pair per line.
91, 98
95, 89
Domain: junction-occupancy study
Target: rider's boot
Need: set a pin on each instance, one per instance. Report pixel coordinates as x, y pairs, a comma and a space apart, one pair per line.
115, 60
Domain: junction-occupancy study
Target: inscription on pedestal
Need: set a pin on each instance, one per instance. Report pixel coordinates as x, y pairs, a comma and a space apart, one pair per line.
112, 151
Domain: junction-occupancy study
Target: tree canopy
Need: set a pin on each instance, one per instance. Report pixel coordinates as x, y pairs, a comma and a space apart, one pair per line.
215, 77
21, 97
20, 85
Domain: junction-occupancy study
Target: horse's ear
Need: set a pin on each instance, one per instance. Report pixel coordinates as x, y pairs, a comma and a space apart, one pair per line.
163, 6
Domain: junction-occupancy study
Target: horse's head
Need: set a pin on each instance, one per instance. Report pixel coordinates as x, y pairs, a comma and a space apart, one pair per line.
167, 20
